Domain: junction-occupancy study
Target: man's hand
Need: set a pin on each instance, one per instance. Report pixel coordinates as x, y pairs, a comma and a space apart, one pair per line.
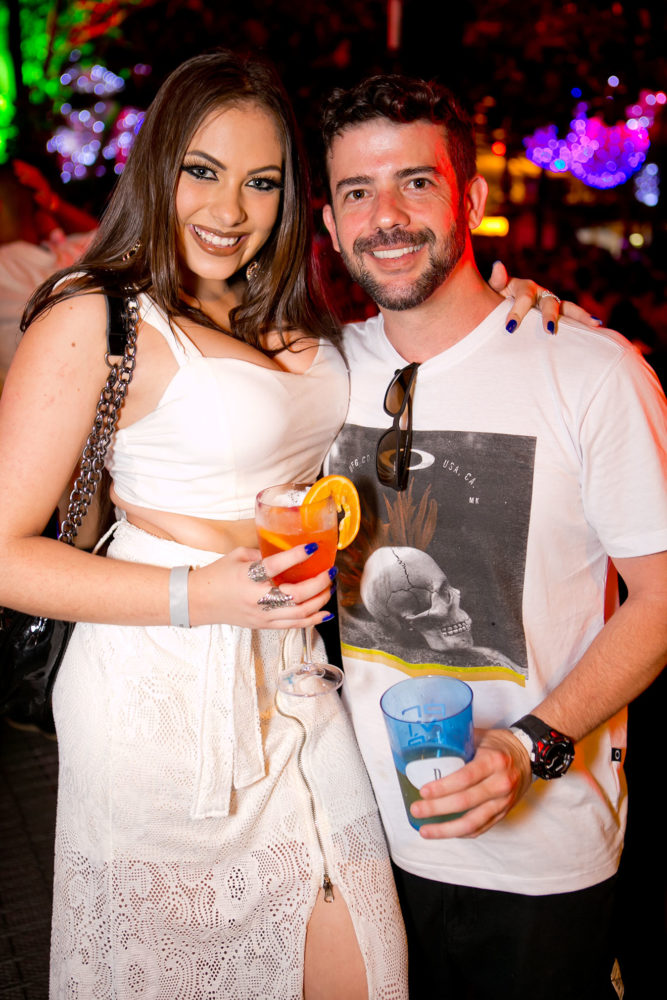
485, 789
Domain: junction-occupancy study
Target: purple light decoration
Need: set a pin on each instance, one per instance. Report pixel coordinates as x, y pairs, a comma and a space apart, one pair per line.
123, 133
597, 154
79, 144
93, 138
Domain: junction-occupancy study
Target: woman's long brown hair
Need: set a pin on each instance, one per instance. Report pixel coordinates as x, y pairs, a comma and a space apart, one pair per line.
285, 293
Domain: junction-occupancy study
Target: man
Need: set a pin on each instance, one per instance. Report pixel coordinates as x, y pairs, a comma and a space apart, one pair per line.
514, 468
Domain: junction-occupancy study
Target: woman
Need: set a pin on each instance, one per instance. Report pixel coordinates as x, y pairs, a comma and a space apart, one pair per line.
214, 838
197, 822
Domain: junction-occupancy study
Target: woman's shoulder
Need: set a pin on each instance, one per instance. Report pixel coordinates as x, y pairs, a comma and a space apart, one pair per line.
58, 371
69, 333
70, 310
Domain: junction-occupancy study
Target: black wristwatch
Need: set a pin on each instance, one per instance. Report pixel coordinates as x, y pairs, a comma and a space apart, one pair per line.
551, 752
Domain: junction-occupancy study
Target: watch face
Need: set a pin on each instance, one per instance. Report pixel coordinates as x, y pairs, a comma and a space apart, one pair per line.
554, 758
551, 753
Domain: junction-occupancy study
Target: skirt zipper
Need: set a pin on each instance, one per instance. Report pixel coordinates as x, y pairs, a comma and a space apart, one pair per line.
327, 884
326, 881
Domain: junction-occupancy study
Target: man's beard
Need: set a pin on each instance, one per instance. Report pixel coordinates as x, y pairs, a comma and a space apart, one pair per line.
441, 263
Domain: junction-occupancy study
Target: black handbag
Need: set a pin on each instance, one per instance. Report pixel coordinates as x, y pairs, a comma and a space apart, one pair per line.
32, 647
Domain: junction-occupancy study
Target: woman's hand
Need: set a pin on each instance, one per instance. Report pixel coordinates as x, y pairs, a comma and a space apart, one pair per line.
527, 293
223, 593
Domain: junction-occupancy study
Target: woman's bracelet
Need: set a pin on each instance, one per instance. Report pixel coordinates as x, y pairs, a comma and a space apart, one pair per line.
179, 613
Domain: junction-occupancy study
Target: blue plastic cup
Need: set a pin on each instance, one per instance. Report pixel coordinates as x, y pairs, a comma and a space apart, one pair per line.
429, 721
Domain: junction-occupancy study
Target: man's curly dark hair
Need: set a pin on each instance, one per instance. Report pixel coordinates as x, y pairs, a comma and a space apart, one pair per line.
403, 100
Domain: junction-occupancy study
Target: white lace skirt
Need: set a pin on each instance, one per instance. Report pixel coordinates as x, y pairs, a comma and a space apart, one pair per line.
198, 814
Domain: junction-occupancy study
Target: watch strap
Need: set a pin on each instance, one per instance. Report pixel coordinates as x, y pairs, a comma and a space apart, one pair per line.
525, 740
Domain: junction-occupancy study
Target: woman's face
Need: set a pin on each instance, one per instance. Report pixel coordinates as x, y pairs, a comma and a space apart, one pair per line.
228, 194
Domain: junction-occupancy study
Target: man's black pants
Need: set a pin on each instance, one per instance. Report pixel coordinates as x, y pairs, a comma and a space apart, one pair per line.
479, 944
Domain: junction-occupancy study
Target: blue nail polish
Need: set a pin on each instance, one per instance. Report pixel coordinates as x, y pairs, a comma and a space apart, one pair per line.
511, 326
333, 572
597, 319
551, 326
327, 618
311, 547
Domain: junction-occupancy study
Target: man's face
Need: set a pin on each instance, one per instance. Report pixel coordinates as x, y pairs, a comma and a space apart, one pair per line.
396, 214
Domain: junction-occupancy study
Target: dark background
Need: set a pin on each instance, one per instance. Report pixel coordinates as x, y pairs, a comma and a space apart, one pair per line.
515, 63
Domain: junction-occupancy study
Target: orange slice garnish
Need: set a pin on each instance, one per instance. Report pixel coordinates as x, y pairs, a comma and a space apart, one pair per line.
276, 540
346, 498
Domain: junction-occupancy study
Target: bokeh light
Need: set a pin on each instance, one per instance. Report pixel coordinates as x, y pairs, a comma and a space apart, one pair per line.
600, 155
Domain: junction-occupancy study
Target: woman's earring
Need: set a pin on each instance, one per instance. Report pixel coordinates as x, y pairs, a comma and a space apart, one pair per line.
132, 252
251, 270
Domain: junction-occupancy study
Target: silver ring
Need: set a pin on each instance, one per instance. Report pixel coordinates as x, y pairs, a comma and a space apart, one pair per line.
275, 598
546, 294
257, 573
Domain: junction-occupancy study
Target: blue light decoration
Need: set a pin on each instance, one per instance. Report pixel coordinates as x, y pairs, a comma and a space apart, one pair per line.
101, 135
647, 185
601, 156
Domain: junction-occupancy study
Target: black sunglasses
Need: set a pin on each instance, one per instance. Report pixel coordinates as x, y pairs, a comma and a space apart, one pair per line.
392, 455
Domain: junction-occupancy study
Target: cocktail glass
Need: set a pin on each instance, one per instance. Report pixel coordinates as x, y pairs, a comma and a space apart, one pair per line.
283, 521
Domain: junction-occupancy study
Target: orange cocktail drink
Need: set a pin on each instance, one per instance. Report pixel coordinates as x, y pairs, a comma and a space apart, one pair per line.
327, 513
283, 521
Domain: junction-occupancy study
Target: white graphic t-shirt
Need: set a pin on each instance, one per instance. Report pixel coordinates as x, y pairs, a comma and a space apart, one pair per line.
533, 458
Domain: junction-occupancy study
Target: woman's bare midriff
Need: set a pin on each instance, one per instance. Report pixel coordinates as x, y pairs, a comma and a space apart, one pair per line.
197, 532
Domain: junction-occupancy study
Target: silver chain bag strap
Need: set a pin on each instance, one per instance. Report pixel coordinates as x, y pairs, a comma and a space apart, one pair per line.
32, 647
111, 399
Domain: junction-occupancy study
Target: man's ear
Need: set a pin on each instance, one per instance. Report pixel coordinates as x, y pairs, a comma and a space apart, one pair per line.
475, 201
330, 223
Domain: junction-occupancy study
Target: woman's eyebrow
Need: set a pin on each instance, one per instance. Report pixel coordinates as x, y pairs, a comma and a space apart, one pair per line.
206, 156
221, 166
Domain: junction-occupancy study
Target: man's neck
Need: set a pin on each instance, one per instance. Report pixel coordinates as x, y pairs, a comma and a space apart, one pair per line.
460, 304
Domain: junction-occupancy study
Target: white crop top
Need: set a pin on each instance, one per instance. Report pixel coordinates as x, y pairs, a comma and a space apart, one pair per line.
225, 429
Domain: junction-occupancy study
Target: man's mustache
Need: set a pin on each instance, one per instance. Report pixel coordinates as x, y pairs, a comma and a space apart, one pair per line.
393, 238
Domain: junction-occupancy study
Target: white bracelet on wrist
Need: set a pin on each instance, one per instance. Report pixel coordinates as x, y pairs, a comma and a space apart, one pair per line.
179, 613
